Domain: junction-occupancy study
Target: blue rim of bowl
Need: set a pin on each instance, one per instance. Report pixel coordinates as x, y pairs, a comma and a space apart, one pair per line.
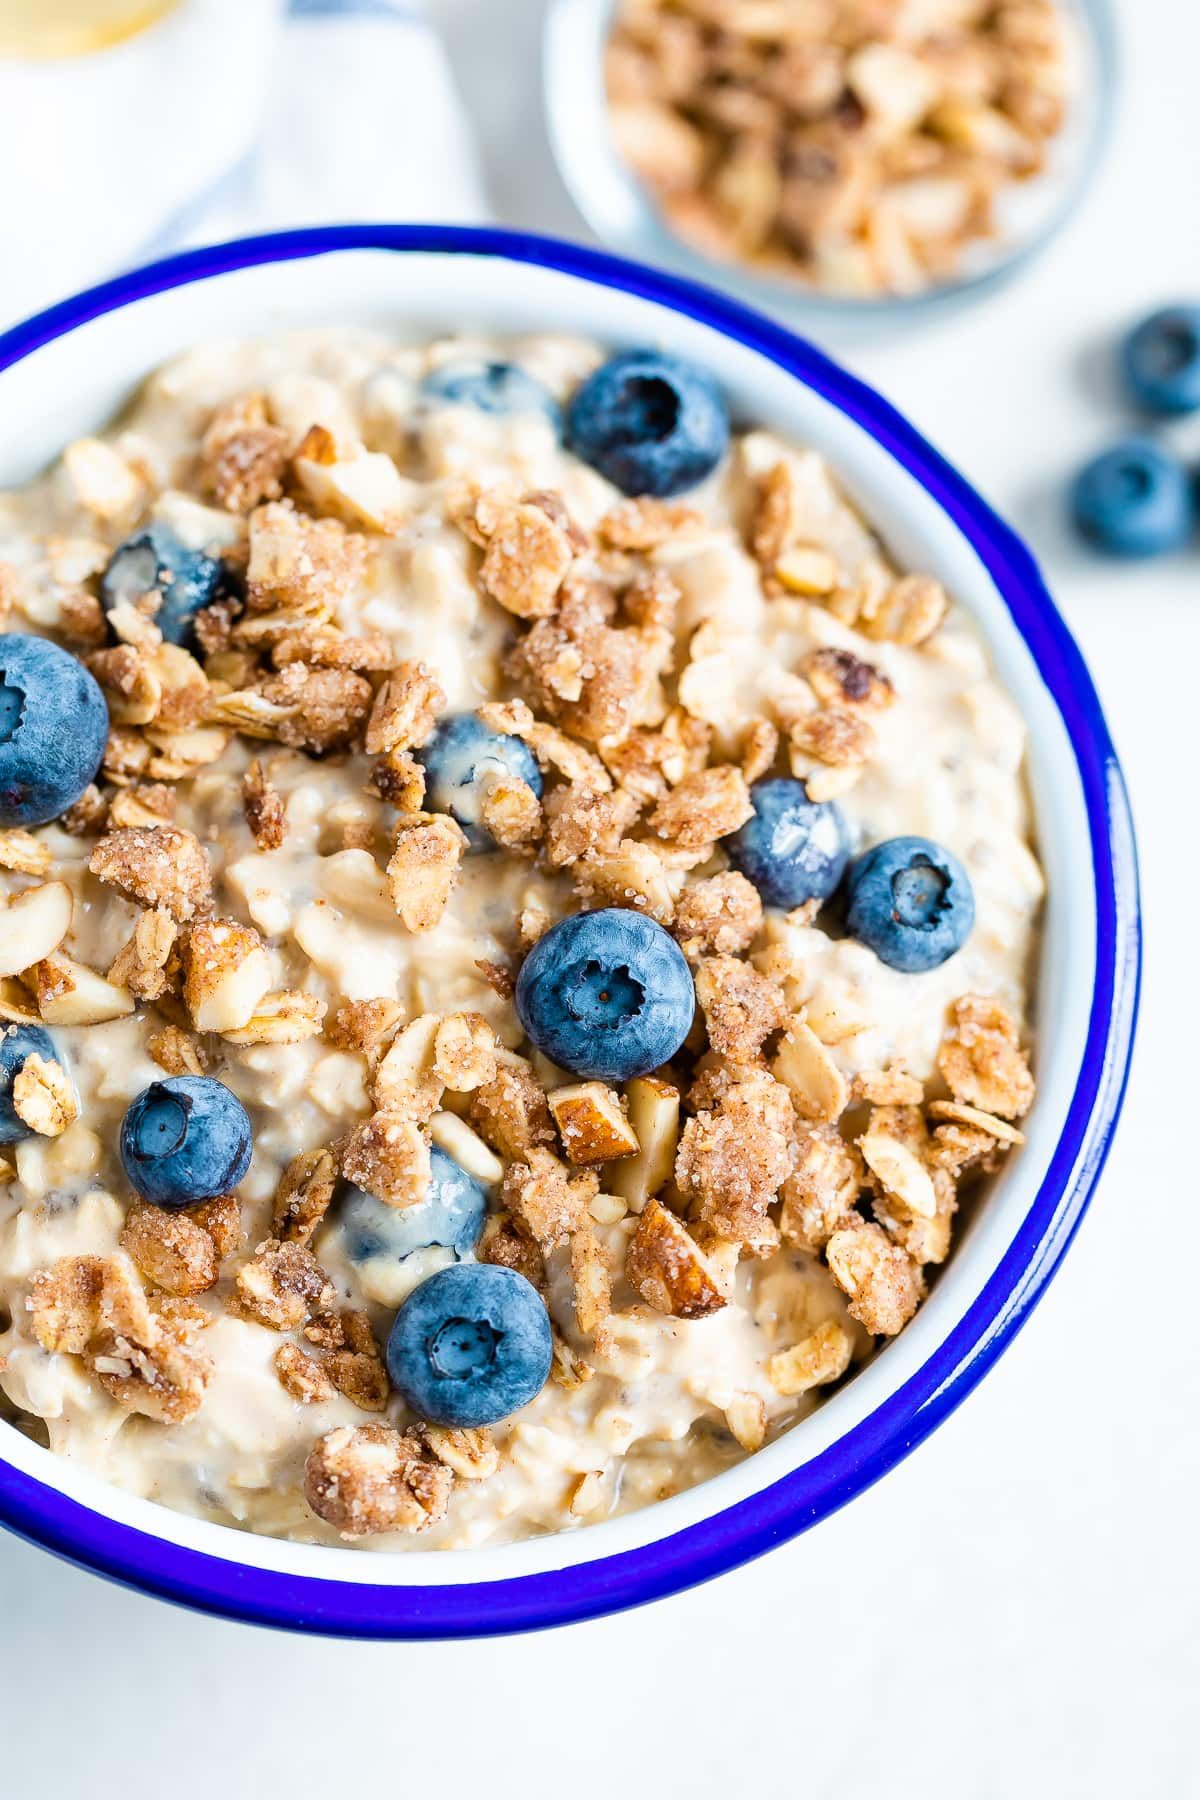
139, 1559
809, 307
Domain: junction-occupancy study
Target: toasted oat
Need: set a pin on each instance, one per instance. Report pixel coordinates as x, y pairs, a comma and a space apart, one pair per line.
222, 1220
893, 1148
64, 1303
667, 1268
282, 1284
21, 851
286, 1017
140, 965
741, 1007
552, 747
423, 869
647, 763
646, 523
510, 812
303, 567
242, 456
825, 1180
981, 1059
591, 1282
170, 1249
998, 1129
405, 709
533, 922
760, 745
387, 1155
130, 683
498, 976
839, 678
365, 1479
746, 1417
405, 1080
354, 1363
908, 613
399, 779
303, 1196
464, 1052
957, 1147
817, 1086
176, 1052
632, 875
833, 736
126, 753
778, 517
593, 679
302, 1376
227, 972
734, 1159
512, 1112
818, 1359
364, 1025
527, 556
86, 818
592, 1123
547, 1199
42, 1096
881, 1281
892, 1086
145, 803
706, 805
503, 1242
165, 868
263, 808
723, 914
146, 1359
472, 1454
579, 820
321, 709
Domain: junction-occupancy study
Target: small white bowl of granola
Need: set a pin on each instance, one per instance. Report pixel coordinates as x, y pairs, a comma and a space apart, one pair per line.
526, 972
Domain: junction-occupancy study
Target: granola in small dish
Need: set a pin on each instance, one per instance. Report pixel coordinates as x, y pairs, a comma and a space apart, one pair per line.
856, 147
521, 961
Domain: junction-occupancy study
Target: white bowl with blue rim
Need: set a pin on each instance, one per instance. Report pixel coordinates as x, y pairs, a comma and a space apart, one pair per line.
65, 373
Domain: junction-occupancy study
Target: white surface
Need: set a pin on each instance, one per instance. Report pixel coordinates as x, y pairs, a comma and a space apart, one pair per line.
1014, 1611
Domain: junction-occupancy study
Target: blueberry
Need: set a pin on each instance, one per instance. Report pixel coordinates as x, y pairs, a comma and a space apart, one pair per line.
154, 561
1162, 360
1135, 500
606, 994
460, 760
793, 849
651, 423
499, 388
910, 901
17, 1044
53, 729
470, 1345
185, 1140
452, 1213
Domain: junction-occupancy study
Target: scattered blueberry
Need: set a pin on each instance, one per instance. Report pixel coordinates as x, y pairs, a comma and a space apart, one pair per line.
452, 1214
793, 849
910, 901
1162, 360
154, 561
652, 423
17, 1044
470, 1345
185, 1140
606, 994
459, 759
53, 729
1135, 500
499, 388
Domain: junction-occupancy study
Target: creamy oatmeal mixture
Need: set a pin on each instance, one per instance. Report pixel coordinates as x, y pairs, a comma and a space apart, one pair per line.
861, 147
254, 890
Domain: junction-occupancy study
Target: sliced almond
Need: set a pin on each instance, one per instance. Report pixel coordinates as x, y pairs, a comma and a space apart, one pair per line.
1000, 1129
591, 1123
69, 993
820, 1358
455, 1137
668, 1269
365, 489
227, 973
654, 1118
34, 924
818, 1088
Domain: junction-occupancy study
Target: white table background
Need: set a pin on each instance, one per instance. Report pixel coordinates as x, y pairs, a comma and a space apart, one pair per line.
1014, 1610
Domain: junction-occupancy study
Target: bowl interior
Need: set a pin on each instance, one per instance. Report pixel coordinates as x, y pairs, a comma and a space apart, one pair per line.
73, 384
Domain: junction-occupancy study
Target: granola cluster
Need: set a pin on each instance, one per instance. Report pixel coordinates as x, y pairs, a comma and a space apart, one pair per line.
858, 146
638, 1211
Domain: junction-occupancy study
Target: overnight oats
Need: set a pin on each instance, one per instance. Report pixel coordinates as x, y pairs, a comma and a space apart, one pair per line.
516, 942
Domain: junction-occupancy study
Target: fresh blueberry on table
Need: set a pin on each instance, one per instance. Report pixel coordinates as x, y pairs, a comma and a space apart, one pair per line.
911, 902
650, 422
17, 1044
154, 561
53, 729
460, 759
792, 848
185, 1140
606, 994
452, 1213
470, 1345
1161, 357
1134, 500
499, 388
